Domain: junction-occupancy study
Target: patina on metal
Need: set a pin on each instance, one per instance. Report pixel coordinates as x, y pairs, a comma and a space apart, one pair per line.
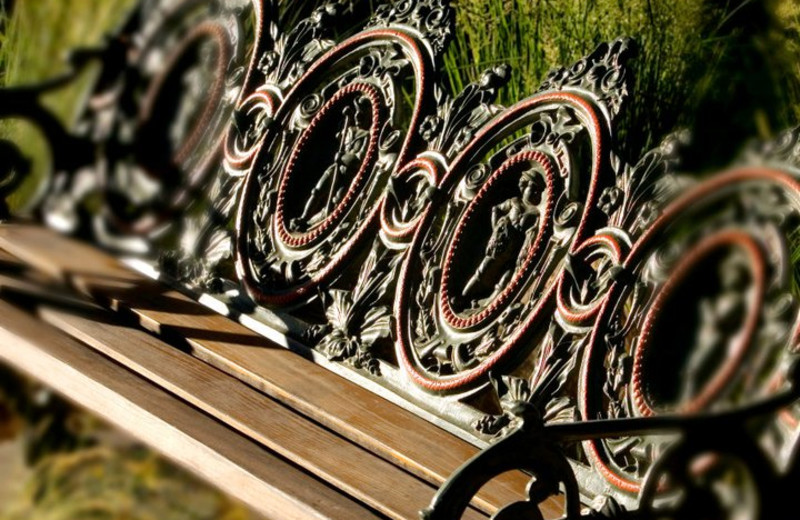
716, 469
620, 331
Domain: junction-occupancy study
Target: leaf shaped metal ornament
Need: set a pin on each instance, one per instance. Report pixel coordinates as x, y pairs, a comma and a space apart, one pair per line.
617, 330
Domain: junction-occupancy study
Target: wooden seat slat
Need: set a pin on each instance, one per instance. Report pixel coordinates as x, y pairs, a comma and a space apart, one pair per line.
364, 476
261, 479
349, 410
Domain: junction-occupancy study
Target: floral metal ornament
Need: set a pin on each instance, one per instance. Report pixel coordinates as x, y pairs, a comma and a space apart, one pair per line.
591, 321
522, 184
318, 180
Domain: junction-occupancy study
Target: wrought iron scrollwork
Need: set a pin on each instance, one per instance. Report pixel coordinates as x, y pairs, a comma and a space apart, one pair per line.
149, 135
715, 470
590, 320
316, 197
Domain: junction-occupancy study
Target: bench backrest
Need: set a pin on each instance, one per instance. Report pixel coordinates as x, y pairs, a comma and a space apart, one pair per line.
494, 269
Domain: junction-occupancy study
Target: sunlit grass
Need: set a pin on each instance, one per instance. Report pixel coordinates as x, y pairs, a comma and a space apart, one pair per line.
40, 34
722, 68
727, 69
37, 37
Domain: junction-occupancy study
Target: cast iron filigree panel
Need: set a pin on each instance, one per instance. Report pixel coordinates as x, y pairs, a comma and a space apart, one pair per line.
501, 268
318, 179
520, 194
157, 117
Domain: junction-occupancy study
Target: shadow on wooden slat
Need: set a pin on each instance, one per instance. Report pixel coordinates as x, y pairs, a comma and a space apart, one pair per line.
150, 295
248, 340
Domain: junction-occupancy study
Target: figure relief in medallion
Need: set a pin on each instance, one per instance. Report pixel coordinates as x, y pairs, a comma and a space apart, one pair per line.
515, 222
721, 318
331, 188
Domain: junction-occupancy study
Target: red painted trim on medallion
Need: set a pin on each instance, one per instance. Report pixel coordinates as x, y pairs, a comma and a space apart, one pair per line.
210, 161
206, 30
707, 188
734, 176
421, 66
684, 268
234, 157
449, 314
180, 8
370, 156
258, 100
217, 33
582, 317
403, 349
596, 129
591, 447
423, 63
388, 227
258, 9
786, 416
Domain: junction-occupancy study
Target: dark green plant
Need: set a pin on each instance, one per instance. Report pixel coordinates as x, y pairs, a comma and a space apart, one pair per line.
719, 67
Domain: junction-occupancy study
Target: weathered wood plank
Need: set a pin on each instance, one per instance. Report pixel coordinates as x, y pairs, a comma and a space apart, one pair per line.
336, 403
9, 261
359, 473
33, 289
237, 465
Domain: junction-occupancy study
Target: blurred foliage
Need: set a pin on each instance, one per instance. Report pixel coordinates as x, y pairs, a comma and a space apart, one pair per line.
785, 39
727, 69
47, 423
36, 37
81, 471
130, 483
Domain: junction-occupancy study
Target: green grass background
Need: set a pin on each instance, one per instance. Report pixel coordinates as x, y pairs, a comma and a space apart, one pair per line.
40, 33
725, 69
35, 39
729, 70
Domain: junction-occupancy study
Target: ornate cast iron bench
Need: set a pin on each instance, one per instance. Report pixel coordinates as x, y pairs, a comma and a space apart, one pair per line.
331, 286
